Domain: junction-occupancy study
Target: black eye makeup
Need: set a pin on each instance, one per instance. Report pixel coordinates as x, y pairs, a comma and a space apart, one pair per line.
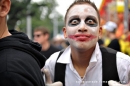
91, 21
74, 22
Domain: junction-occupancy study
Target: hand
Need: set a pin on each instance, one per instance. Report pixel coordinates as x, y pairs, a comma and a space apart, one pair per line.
48, 78
114, 83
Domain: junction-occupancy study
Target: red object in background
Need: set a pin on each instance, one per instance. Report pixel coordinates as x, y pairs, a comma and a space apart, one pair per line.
120, 30
128, 38
102, 9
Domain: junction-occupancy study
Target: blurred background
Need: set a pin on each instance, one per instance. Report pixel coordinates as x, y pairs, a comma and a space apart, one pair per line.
26, 15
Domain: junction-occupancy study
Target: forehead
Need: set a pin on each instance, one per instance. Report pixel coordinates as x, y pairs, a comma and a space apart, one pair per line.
37, 31
82, 9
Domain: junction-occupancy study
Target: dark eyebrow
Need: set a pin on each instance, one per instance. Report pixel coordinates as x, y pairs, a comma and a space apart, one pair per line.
93, 17
75, 16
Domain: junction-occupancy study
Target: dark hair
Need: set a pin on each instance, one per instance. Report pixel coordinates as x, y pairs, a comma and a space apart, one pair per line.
83, 2
44, 30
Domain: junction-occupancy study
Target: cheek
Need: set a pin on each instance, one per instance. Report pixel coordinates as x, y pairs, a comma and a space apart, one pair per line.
93, 30
71, 30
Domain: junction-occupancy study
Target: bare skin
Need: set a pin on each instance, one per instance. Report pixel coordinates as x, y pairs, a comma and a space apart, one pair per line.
42, 39
4, 9
81, 61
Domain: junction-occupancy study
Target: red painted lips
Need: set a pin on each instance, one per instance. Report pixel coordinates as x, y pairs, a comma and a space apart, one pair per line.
82, 37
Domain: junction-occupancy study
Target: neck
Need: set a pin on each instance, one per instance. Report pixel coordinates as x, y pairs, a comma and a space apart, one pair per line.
4, 30
81, 60
45, 46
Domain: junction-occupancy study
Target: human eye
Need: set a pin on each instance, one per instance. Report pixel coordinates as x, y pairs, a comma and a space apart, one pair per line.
74, 22
91, 22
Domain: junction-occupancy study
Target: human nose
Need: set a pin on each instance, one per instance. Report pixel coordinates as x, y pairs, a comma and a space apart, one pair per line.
82, 27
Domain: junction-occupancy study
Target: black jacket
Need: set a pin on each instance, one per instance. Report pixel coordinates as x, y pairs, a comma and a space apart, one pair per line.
20, 61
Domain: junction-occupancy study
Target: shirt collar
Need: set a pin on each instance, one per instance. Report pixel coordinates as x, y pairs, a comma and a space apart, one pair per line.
94, 57
65, 57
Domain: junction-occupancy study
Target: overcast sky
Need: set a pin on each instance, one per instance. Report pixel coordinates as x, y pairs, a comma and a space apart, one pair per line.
64, 4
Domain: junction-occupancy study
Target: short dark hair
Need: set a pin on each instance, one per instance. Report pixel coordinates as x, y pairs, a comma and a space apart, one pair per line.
44, 30
83, 2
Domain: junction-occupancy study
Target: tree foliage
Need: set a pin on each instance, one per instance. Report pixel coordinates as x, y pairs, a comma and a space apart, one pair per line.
17, 12
42, 14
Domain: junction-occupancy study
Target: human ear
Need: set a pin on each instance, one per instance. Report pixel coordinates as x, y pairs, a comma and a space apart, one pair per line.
64, 32
4, 7
100, 32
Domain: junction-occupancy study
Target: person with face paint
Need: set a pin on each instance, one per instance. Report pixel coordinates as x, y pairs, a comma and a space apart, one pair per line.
84, 62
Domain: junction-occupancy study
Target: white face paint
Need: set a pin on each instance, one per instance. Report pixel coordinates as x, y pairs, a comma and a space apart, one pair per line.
82, 27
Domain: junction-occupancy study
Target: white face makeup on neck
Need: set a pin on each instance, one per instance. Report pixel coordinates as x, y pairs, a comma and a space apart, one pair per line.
82, 27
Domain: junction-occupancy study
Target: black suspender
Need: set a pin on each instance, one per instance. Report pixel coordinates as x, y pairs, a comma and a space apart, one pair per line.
60, 71
109, 67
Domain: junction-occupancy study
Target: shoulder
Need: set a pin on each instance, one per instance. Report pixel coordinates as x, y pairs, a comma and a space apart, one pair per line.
17, 54
123, 58
107, 50
120, 56
11, 53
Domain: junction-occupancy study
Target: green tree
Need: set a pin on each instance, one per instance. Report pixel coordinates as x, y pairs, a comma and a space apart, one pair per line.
42, 14
45, 15
17, 12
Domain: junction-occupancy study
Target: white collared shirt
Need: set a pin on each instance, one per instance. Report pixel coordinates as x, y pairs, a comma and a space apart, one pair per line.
93, 75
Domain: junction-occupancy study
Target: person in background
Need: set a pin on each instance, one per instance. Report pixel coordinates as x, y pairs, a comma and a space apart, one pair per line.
60, 42
41, 35
101, 42
110, 28
57, 41
84, 62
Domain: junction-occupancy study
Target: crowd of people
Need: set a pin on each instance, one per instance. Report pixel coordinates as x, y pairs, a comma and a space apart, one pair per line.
88, 53
111, 39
